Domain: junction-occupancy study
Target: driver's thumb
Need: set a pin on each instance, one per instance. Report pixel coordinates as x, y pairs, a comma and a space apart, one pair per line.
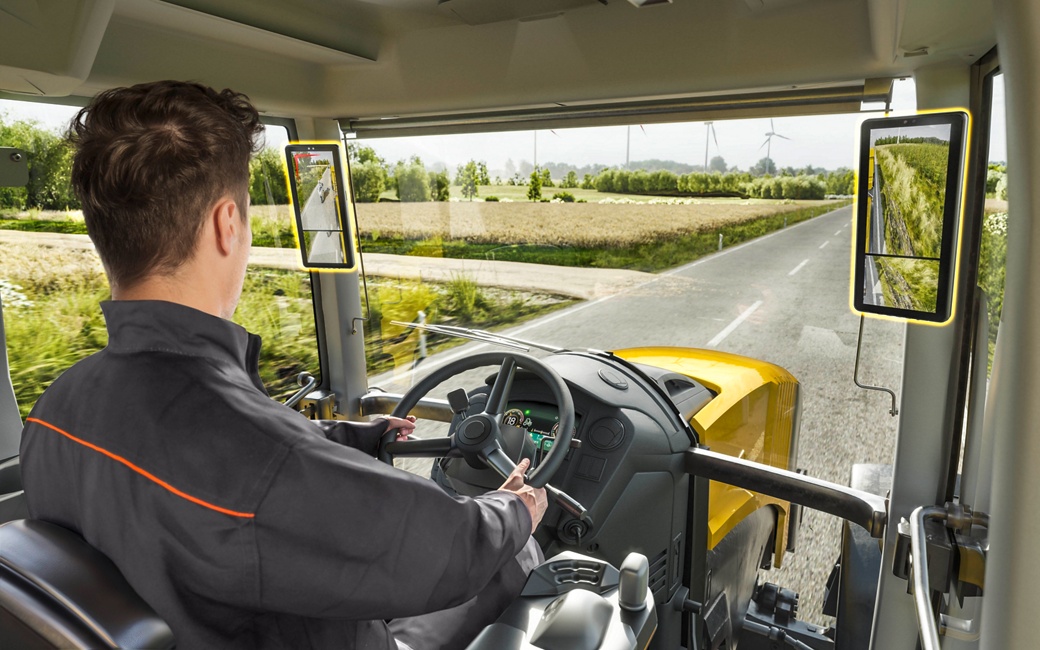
515, 481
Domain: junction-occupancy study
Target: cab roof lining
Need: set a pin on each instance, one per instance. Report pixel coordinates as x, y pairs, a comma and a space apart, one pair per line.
362, 59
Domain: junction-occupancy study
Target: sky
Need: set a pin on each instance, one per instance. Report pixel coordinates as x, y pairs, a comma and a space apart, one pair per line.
827, 141
939, 131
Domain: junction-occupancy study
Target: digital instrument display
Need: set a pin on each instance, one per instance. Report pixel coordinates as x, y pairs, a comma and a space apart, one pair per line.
540, 420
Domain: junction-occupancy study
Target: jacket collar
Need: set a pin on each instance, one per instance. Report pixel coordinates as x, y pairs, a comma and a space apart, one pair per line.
158, 326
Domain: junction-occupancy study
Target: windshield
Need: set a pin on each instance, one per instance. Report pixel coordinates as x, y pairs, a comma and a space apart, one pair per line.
726, 235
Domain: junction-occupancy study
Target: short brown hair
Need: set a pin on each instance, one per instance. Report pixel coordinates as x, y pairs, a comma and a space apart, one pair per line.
150, 159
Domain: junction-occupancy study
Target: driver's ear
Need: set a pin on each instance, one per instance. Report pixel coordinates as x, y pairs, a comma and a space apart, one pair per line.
227, 224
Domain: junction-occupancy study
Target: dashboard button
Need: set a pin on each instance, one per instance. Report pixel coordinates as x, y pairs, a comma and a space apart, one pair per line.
613, 379
607, 434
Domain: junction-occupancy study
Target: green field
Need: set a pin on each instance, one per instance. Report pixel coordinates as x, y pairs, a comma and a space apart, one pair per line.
909, 284
913, 191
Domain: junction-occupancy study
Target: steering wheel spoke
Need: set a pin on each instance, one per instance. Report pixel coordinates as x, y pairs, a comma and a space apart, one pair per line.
498, 461
499, 395
423, 448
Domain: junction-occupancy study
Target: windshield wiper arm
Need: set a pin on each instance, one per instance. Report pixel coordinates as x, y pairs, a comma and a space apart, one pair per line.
480, 335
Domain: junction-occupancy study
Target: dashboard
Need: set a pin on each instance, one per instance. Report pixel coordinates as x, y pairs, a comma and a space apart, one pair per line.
625, 464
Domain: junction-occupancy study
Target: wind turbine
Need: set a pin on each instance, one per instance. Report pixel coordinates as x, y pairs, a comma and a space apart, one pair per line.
711, 130
628, 143
769, 142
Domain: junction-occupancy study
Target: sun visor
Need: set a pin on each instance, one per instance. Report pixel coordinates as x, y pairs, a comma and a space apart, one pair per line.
871, 94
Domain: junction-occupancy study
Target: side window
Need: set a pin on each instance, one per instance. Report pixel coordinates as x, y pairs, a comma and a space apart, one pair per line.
51, 280
276, 296
994, 229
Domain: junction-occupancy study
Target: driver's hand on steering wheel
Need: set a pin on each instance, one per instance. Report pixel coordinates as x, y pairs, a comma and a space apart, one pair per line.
404, 426
534, 498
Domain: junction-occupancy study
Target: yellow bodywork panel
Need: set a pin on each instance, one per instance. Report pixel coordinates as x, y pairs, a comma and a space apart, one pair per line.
752, 416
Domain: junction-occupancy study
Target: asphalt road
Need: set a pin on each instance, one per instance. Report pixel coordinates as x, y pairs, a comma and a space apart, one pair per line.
321, 224
783, 298
877, 244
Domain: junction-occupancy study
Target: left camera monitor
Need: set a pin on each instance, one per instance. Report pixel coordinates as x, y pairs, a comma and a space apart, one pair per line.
320, 201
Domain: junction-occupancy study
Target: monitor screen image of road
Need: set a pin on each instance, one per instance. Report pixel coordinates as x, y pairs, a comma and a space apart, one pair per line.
319, 203
908, 207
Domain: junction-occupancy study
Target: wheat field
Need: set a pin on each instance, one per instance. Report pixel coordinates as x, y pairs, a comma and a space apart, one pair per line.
558, 224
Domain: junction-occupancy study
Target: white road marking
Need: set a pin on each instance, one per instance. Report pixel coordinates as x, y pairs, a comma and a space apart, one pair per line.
824, 245
839, 230
734, 325
799, 267
727, 251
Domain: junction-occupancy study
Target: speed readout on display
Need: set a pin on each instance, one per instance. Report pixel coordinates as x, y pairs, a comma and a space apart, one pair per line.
541, 421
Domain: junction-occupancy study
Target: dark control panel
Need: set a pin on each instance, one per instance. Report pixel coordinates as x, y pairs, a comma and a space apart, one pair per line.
573, 602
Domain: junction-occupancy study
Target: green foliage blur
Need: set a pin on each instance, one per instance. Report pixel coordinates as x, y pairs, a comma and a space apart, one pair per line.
411, 181
743, 184
368, 175
50, 166
992, 270
440, 186
268, 179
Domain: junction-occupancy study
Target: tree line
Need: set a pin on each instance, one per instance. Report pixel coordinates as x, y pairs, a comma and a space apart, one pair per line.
49, 158
50, 166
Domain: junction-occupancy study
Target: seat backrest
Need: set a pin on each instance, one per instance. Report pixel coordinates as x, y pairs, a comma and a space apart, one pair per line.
56, 591
10, 420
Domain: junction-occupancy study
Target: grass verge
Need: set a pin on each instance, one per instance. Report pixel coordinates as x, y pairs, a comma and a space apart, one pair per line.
52, 318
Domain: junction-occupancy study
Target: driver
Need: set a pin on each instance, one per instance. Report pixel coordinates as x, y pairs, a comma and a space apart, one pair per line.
242, 523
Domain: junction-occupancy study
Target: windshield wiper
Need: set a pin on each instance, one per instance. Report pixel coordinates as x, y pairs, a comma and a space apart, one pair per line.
480, 335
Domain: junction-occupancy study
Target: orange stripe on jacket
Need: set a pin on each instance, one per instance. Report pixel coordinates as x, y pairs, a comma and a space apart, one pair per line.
142, 472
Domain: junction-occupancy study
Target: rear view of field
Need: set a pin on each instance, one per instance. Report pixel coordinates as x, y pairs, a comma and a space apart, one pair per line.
912, 179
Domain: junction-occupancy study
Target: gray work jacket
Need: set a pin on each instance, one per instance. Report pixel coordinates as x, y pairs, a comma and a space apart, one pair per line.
241, 522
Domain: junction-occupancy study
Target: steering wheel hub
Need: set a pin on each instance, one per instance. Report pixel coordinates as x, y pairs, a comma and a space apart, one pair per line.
475, 430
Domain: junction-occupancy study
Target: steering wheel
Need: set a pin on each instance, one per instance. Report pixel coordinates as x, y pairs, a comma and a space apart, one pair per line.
479, 436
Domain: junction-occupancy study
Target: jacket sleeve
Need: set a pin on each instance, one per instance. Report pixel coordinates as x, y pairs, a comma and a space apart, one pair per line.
341, 535
363, 436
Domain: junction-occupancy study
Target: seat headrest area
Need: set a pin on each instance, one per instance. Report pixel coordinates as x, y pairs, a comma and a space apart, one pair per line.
56, 591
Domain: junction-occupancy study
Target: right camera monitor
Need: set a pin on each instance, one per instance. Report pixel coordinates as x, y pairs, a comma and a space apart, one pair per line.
908, 215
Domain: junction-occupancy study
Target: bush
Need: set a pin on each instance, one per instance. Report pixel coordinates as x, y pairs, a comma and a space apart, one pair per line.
369, 180
566, 197
785, 187
491, 199
412, 181
440, 186
534, 189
